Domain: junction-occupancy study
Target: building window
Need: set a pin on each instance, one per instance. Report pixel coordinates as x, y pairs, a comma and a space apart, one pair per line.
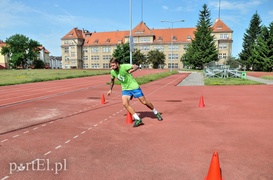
222, 56
173, 65
106, 57
106, 49
159, 47
95, 57
85, 58
66, 49
94, 49
222, 46
173, 47
73, 54
144, 39
95, 65
223, 36
173, 56
185, 47
106, 65
84, 49
145, 48
85, 66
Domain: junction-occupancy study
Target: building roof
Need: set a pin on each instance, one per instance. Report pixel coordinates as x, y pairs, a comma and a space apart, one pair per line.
220, 26
141, 30
102, 38
74, 33
2, 43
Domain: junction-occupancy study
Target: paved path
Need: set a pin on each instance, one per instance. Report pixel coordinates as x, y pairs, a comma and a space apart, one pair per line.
193, 79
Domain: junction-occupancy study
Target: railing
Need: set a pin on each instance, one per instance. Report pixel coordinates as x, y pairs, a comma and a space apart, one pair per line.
223, 72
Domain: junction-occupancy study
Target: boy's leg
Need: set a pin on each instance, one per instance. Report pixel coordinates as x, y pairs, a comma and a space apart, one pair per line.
147, 103
125, 101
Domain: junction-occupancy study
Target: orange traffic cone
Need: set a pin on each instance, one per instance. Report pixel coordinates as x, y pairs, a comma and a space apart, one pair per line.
201, 102
129, 118
214, 169
102, 99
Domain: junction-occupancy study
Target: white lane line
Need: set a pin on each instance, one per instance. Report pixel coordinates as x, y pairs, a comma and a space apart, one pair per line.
4, 140
67, 141
83, 132
4, 178
58, 147
51, 122
75, 136
26, 132
101, 122
47, 153
89, 128
95, 125
44, 125
15, 136
35, 128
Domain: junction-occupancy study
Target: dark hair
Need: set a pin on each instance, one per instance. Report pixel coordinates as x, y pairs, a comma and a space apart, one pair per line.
114, 60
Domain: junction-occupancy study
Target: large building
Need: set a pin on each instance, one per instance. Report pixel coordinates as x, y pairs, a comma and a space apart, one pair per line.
3, 59
84, 49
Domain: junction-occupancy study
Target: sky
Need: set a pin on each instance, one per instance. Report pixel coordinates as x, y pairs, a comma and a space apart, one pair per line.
48, 21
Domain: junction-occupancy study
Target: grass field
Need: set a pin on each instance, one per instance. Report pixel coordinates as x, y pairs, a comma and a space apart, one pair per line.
10, 77
229, 81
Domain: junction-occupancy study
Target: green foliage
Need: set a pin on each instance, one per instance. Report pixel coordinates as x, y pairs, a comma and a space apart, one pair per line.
202, 49
20, 49
233, 62
156, 58
122, 53
39, 64
139, 58
249, 40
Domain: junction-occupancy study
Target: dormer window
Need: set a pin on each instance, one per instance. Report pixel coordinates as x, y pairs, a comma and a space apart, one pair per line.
139, 32
188, 37
107, 40
96, 41
160, 38
219, 27
174, 38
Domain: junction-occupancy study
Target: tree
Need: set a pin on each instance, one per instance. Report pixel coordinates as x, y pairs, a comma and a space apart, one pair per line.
139, 58
19, 49
260, 53
122, 53
202, 49
249, 40
156, 58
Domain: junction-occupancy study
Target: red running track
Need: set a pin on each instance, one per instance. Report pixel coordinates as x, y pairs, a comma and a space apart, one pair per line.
83, 139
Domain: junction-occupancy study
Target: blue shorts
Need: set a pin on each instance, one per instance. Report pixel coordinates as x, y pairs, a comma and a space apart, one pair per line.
136, 93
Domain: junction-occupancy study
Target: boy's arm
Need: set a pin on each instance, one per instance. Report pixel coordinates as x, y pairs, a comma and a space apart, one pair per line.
111, 85
133, 69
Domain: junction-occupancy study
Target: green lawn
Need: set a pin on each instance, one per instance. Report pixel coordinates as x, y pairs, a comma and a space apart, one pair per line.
10, 77
229, 81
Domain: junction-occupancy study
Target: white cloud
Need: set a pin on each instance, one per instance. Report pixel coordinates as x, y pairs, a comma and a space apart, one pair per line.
165, 7
240, 6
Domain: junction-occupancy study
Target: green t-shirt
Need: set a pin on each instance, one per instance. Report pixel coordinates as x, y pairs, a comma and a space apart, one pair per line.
126, 79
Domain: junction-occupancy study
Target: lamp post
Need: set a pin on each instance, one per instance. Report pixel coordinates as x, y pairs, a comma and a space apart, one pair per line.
172, 39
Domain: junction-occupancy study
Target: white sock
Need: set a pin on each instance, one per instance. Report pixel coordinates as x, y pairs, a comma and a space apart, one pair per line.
155, 111
136, 116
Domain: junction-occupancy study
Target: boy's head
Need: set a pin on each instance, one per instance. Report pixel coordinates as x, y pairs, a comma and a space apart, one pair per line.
114, 64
